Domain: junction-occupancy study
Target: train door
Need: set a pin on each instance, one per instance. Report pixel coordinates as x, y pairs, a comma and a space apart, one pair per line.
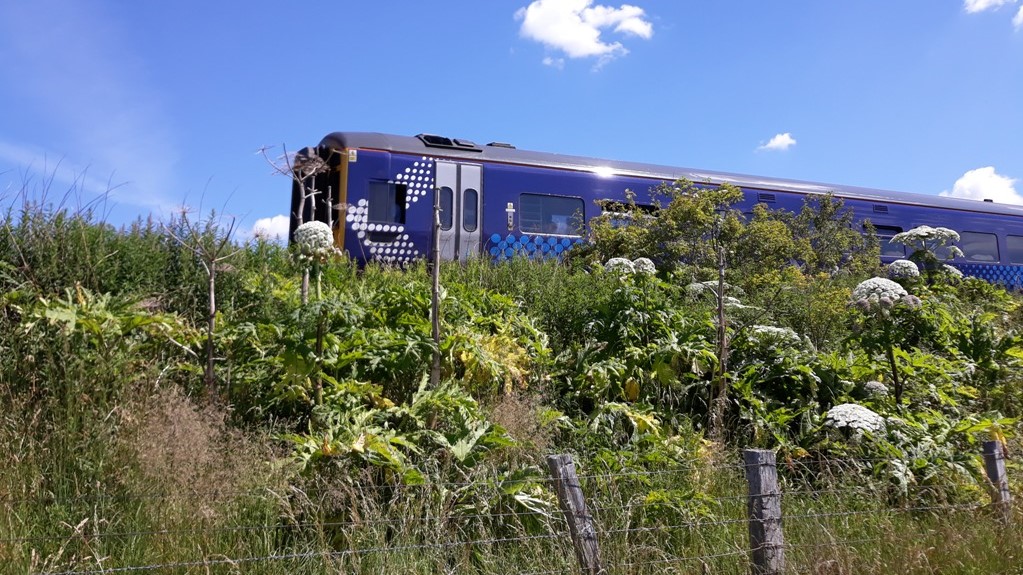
461, 197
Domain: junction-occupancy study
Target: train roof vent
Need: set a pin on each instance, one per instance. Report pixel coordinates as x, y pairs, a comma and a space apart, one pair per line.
501, 145
879, 209
766, 197
435, 141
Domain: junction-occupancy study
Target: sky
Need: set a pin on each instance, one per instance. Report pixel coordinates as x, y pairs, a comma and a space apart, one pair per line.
151, 108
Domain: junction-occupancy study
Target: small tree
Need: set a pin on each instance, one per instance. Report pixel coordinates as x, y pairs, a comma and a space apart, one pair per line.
212, 248
675, 234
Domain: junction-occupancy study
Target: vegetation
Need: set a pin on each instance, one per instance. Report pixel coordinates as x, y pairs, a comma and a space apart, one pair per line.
276, 430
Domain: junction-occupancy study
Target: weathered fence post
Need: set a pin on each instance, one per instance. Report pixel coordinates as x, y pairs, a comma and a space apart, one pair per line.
435, 293
765, 535
580, 522
994, 465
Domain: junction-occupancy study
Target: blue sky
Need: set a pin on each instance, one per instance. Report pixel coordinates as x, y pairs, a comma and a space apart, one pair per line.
153, 106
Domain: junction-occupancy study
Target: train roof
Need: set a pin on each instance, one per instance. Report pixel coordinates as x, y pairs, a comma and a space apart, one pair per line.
439, 146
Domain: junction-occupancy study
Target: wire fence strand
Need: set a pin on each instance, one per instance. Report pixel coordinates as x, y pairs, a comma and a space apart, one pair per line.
662, 524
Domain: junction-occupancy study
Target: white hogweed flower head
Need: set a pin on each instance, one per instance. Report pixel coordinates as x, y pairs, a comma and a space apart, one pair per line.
953, 271
644, 266
903, 269
856, 418
936, 241
876, 388
769, 334
926, 235
623, 266
879, 294
697, 289
314, 242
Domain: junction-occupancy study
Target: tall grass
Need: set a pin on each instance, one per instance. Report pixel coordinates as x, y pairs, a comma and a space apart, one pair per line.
108, 462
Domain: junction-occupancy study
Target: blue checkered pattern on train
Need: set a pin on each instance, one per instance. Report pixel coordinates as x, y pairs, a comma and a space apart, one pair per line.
1009, 276
531, 246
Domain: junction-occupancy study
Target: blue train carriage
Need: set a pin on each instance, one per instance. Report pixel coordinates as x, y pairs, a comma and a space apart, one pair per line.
377, 191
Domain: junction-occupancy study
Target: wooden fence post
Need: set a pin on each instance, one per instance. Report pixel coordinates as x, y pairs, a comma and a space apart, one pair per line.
765, 534
994, 465
580, 522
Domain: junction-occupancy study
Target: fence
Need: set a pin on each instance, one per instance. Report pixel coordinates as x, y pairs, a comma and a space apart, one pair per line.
705, 517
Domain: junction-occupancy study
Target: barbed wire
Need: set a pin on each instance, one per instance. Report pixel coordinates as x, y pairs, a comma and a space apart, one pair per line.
837, 543
883, 511
736, 553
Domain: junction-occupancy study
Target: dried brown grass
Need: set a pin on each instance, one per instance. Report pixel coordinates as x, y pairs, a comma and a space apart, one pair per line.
189, 451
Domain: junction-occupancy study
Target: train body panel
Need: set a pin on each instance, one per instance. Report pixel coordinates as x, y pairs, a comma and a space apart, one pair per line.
501, 202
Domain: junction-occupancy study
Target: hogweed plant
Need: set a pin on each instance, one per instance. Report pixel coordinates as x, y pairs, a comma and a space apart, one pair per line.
931, 247
314, 247
855, 419
903, 270
885, 307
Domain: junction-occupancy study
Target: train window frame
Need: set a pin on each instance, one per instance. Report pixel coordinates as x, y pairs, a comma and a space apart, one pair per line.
1014, 253
889, 232
447, 208
970, 255
385, 209
546, 217
470, 218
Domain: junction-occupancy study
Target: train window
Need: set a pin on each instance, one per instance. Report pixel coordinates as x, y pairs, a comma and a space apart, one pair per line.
884, 237
1015, 245
539, 214
979, 247
470, 209
386, 203
447, 199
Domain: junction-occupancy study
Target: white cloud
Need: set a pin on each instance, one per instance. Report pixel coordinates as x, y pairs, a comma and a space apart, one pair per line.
575, 27
779, 143
272, 228
985, 184
974, 6
1017, 20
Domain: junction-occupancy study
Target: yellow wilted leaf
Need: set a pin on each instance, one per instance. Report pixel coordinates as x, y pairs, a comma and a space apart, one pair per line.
327, 449
632, 389
359, 445
381, 402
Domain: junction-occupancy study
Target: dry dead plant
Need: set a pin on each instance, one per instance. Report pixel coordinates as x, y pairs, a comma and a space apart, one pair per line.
190, 454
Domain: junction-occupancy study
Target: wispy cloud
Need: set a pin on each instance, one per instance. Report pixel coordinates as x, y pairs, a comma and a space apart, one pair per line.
974, 6
575, 27
778, 143
37, 166
985, 184
91, 94
977, 6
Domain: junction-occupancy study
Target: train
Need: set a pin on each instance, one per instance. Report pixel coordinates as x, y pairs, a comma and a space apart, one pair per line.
377, 192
